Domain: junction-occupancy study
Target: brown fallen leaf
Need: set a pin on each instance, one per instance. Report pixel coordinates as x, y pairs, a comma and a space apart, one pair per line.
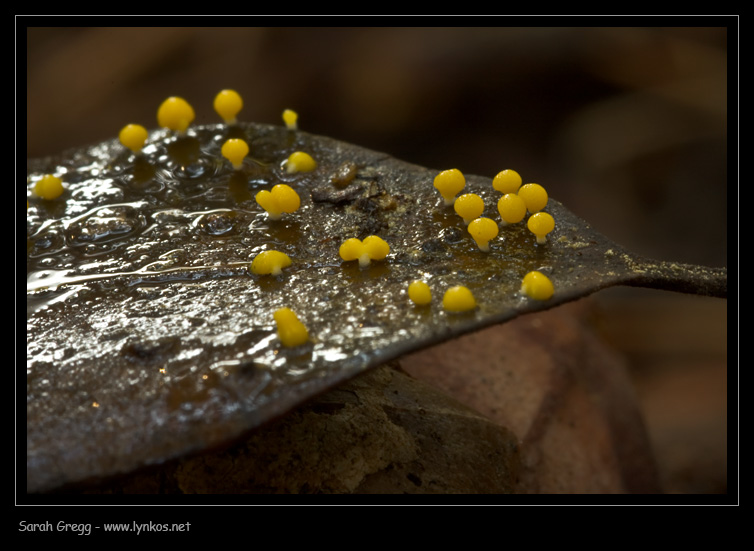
149, 339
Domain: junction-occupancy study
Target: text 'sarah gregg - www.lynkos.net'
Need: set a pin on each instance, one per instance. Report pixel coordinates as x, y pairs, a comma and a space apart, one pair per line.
85, 529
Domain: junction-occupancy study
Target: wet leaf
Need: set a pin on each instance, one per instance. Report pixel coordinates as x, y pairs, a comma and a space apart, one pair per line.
148, 338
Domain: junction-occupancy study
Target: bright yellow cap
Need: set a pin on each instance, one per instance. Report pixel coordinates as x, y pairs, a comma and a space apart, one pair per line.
228, 104
507, 181
540, 224
281, 198
469, 206
534, 196
290, 118
290, 329
49, 187
235, 150
419, 293
458, 299
175, 114
133, 136
372, 248
376, 247
537, 285
512, 208
351, 249
483, 230
270, 262
300, 162
450, 183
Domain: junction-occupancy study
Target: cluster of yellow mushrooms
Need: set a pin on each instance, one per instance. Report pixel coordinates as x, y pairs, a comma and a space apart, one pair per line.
516, 201
176, 114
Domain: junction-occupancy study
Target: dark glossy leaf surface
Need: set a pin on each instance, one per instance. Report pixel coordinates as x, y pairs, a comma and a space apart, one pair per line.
148, 337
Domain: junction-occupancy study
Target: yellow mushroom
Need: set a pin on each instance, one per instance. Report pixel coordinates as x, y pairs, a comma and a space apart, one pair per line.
534, 195
419, 293
540, 224
175, 114
281, 198
290, 118
270, 263
235, 150
469, 206
450, 183
512, 208
299, 161
458, 299
507, 181
372, 248
49, 187
133, 136
290, 329
483, 230
228, 104
537, 285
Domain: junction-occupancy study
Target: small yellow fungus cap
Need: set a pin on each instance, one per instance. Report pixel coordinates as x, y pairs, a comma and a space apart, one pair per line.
235, 150
133, 136
534, 196
512, 208
351, 249
372, 248
376, 247
290, 329
537, 285
290, 118
228, 104
299, 161
175, 114
507, 181
49, 187
469, 206
540, 224
270, 263
419, 293
458, 299
281, 198
450, 183
483, 230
